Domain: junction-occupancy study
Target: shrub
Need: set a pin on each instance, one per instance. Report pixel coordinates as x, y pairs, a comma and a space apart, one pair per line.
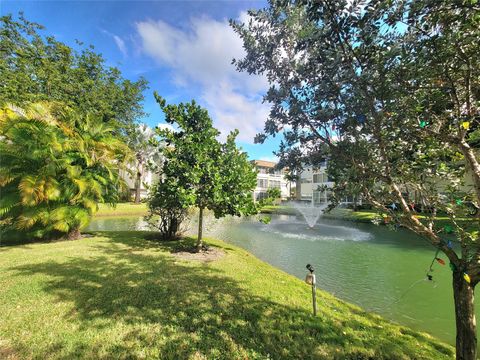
166, 213
56, 166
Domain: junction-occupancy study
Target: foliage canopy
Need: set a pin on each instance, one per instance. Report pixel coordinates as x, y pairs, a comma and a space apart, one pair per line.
37, 68
204, 172
390, 91
55, 167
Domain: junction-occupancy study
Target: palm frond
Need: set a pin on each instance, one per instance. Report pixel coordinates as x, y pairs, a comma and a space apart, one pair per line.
55, 167
29, 190
7, 202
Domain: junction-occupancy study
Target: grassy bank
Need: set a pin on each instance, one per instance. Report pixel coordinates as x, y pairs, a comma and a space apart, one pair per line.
338, 213
344, 214
122, 209
117, 295
278, 209
367, 216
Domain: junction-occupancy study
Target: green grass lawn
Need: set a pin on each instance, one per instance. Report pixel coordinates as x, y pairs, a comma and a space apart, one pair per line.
278, 209
347, 214
122, 209
119, 296
468, 223
337, 213
366, 216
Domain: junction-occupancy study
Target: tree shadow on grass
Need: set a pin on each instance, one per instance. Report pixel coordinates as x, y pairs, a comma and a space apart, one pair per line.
146, 304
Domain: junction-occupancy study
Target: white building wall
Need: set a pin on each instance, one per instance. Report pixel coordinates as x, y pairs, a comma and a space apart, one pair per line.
267, 179
148, 179
311, 178
315, 184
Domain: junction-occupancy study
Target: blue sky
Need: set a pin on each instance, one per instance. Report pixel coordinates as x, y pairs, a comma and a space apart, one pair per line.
183, 48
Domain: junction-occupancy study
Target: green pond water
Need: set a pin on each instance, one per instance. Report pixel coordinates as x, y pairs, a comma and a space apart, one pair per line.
378, 269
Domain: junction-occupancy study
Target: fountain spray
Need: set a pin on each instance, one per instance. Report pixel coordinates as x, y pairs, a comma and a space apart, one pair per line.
311, 213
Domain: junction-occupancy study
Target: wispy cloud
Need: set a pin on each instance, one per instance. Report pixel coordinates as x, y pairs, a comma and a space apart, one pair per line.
120, 44
118, 41
200, 55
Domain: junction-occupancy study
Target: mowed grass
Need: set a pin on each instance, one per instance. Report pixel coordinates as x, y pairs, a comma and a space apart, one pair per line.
118, 296
122, 209
348, 214
367, 216
278, 209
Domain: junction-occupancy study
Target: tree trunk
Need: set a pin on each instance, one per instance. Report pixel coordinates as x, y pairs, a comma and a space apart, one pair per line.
298, 188
200, 228
74, 234
466, 344
138, 186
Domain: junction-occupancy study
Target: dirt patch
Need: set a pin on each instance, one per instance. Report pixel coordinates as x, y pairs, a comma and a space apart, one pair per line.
7, 352
211, 254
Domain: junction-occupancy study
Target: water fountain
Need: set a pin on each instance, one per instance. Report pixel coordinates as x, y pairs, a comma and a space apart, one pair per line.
310, 212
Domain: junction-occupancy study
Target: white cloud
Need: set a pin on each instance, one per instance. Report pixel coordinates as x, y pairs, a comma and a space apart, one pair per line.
118, 41
234, 110
120, 44
165, 126
200, 56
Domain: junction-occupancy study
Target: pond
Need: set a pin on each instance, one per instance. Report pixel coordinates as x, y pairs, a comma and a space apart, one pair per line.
376, 268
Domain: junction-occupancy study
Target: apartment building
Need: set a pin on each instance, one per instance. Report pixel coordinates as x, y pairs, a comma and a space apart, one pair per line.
269, 177
315, 184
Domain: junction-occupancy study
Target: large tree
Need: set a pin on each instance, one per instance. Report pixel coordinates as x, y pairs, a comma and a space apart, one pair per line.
393, 91
206, 173
36, 67
55, 167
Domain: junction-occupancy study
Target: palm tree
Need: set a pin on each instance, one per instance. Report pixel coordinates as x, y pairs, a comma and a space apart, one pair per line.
146, 154
55, 168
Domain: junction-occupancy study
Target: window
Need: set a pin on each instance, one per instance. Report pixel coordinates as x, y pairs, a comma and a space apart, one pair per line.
262, 183
305, 181
274, 184
319, 197
318, 178
321, 178
348, 199
261, 195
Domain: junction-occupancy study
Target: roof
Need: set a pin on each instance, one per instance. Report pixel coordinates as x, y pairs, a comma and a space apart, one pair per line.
264, 163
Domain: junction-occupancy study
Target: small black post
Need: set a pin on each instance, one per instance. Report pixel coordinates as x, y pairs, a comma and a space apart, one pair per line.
312, 281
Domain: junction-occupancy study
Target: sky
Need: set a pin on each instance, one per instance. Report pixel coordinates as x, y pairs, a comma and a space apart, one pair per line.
183, 48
